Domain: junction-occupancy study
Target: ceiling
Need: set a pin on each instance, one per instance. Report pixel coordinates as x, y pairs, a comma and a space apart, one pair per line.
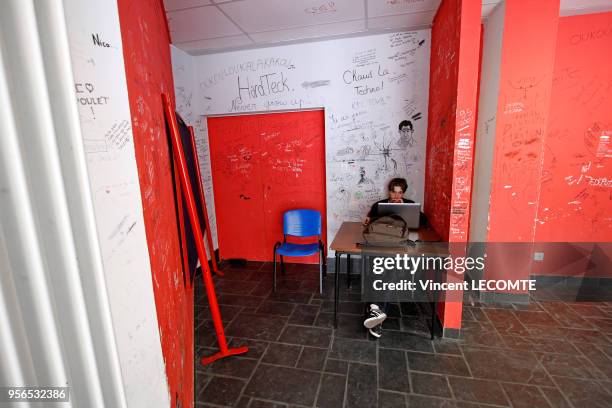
207, 26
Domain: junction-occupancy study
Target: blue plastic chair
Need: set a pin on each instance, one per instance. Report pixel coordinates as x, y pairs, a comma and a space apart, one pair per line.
301, 223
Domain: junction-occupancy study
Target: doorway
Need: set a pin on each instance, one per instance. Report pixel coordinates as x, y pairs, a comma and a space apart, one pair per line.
263, 165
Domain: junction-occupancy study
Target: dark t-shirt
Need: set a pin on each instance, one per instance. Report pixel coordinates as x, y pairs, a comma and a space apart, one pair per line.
374, 211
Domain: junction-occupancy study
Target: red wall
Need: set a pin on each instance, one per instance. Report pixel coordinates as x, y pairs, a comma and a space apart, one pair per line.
551, 173
525, 82
148, 70
576, 186
528, 52
453, 93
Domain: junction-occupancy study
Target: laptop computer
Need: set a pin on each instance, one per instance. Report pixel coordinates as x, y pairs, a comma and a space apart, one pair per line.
410, 212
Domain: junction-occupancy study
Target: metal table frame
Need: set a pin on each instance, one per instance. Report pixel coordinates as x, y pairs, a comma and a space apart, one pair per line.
354, 250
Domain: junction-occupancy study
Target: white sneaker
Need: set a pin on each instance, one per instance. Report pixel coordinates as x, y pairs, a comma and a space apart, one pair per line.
375, 317
376, 331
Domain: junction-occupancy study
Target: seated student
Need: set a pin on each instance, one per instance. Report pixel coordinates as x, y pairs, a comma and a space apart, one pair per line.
396, 188
377, 313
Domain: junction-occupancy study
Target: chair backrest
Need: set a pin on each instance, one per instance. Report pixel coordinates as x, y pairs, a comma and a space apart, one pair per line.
302, 223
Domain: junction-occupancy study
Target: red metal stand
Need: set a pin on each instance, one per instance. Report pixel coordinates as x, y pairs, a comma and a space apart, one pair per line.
179, 156
211, 248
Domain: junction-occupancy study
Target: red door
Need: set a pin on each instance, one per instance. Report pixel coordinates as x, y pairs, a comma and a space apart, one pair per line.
263, 165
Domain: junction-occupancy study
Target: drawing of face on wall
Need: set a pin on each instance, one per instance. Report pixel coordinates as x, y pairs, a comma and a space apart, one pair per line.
406, 134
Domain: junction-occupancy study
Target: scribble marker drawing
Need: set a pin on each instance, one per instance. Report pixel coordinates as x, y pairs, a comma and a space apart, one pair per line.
385, 150
315, 84
362, 177
525, 85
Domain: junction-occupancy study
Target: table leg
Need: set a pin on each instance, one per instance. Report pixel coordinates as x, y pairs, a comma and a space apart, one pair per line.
336, 289
434, 308
433, 317
348, 271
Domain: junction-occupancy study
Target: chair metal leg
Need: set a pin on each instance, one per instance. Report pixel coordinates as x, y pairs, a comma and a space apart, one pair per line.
320, 271
274, 273
274, 261
322, 249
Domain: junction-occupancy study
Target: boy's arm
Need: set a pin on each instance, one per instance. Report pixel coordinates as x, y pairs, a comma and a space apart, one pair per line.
371, 213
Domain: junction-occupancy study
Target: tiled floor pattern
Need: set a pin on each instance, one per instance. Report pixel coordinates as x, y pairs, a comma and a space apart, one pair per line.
545, 354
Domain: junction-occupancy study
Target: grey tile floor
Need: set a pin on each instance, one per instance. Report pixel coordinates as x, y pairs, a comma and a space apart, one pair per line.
551, 353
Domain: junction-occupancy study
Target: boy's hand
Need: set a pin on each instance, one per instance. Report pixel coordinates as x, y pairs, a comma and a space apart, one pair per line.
367, 221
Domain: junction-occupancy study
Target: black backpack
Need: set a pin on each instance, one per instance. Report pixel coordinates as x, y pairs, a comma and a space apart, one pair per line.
389, 230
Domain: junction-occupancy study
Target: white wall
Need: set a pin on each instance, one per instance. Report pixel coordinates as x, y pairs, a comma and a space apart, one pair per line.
487, 110
101, 95
183, 75
185, 90
367, 86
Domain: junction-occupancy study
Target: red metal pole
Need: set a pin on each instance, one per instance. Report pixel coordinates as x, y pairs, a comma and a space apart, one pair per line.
203, 200
193, 218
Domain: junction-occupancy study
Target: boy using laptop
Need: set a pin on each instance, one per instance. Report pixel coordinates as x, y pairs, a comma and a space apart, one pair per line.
377, 313
397, 187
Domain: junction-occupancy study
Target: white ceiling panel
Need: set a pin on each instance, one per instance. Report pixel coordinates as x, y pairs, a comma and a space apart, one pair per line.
270, 15
412, 20
200, 23
326, 30
203, 46
204, 25
172, 5
573, 4
573, 7
377, 8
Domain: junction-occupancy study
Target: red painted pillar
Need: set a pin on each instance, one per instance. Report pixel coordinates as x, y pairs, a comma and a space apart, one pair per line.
453, 93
